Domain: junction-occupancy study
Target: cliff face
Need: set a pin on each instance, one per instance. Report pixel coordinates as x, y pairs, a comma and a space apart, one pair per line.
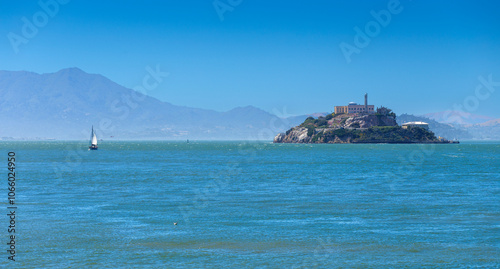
367, 121
343, 128
294, 135
300, 135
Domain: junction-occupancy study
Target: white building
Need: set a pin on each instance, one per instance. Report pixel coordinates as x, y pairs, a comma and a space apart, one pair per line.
412, 124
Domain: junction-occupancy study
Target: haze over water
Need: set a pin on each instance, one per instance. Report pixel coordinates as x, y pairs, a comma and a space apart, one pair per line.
247, 205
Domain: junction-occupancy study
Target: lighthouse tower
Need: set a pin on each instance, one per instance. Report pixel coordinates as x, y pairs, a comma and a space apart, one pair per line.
366, 103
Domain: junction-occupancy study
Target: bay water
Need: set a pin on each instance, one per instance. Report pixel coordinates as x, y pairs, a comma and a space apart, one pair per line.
244, 204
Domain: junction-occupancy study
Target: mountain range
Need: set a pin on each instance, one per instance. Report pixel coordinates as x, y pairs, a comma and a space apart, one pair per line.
457, 117
65, 104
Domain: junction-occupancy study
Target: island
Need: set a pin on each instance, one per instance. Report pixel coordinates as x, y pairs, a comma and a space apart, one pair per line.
360, 124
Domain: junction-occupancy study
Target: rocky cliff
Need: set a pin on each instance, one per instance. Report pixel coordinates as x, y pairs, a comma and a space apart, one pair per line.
367, 121
343, 128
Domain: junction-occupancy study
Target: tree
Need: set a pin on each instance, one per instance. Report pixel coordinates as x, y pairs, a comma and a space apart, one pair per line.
384, 111
310, 131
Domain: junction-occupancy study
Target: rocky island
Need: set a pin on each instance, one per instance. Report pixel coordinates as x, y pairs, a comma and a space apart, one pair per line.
377, 127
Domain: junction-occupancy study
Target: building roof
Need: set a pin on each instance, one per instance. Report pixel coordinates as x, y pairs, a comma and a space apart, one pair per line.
416, 123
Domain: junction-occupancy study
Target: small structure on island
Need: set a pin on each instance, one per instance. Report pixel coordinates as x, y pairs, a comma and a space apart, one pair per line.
354, 108
414, 124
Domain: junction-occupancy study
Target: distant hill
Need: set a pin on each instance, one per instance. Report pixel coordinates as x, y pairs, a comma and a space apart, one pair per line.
64, 105
490, 123
462, 126
456, 117
440, 129
489, 130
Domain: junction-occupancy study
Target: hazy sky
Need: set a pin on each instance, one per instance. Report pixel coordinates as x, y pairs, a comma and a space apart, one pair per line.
427, 57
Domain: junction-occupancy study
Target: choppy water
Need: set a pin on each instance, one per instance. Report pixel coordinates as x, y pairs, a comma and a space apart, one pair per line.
247, 205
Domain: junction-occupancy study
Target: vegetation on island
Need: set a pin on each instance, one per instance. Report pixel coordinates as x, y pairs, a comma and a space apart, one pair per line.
377, 134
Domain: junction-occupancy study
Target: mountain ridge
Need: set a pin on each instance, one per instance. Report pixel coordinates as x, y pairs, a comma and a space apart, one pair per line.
62, 104
464, 125
457, 117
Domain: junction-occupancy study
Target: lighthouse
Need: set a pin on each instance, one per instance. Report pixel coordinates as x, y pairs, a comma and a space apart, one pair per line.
366, 103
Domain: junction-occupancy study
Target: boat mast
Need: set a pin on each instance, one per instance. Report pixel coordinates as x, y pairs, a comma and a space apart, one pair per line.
91, 135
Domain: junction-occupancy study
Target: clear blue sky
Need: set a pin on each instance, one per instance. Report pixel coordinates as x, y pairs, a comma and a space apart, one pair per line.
270, 54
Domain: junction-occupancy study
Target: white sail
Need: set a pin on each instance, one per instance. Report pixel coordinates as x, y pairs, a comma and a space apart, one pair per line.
94, 139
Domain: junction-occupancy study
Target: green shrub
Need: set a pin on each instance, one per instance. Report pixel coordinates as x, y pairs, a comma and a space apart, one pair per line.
310, 131
340, 133
384, 111
316, 138
321, 122
308, 121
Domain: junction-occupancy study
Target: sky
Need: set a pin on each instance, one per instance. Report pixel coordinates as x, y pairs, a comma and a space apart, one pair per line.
285, 57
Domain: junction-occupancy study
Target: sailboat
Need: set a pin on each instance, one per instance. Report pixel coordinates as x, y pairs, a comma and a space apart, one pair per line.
93, 140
